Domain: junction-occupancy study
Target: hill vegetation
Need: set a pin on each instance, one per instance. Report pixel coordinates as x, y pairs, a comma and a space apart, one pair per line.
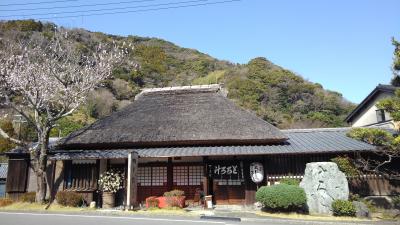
277, 95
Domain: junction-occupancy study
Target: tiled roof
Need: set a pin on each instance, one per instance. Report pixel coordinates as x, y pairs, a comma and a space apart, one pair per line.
3, 170
300, 141
19, 150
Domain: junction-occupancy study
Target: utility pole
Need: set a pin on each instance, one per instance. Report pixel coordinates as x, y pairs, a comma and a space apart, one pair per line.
18, 119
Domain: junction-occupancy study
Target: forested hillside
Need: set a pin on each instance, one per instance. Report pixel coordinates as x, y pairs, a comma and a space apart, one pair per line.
277, 95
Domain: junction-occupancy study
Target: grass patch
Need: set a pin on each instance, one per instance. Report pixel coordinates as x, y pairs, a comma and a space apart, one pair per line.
310, 217
165, 211
25, 206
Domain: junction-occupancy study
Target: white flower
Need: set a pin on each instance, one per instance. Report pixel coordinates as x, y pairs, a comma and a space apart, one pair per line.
111, 181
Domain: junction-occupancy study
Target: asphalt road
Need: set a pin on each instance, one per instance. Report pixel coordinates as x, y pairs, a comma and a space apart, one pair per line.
11, 218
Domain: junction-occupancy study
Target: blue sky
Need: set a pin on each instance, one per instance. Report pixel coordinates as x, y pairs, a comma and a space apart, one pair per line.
343, 45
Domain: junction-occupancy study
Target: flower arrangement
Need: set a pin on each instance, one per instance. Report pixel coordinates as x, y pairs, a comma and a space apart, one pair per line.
111, 181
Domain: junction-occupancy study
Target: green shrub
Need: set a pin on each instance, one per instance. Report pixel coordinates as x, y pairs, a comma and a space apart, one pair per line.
23, 25
396, 201
354, 197
345, 165
69, 198
28, 197
5, 202
5, 144
290, 181
372, 136
282, 197
343, 208
174, 193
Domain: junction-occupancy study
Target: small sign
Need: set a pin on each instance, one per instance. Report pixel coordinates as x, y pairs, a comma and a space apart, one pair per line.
257, 172
225, 170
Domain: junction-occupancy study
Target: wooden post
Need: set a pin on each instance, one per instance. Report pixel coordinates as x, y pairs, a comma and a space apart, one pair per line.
170, 174
131, 195
205, 176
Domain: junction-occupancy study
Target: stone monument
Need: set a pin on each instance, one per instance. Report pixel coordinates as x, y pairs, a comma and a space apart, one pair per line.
323, 183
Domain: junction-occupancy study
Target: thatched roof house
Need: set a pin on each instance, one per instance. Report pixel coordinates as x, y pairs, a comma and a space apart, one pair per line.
186, 138
198, 115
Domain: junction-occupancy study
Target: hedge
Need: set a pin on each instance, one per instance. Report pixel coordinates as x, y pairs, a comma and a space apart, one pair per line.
282, 197
69, 198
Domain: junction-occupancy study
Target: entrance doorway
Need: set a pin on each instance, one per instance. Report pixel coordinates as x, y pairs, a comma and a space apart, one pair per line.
226, 182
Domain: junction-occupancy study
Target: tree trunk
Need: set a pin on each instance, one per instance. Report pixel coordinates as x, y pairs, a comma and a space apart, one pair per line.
40, 159
41, 188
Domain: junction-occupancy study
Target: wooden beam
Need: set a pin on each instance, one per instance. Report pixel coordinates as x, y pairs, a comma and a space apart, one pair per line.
131, 195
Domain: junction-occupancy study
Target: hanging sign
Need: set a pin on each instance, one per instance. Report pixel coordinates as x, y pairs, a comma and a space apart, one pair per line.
256, 172
224, 170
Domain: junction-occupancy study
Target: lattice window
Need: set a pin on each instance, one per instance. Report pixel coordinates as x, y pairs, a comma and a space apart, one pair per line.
187, 175
144, 176
195, 175
180, 174
159, 176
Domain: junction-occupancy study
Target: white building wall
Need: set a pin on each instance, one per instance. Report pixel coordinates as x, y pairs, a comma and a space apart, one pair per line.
368, 116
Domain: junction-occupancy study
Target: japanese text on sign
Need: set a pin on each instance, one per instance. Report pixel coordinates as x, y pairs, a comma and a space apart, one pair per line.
225, 170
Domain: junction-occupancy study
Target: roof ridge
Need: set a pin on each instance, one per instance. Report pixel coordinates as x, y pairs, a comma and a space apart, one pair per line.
378, 88
181, 88
324, 129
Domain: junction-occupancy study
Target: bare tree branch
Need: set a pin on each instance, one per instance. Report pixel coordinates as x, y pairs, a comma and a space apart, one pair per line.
6, 136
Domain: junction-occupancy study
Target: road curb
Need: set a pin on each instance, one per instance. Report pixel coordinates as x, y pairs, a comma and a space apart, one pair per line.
236, 219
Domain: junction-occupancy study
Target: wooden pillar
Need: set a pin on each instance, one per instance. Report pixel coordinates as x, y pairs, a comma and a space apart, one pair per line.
131, 195
170, 174
205, 177
102, 166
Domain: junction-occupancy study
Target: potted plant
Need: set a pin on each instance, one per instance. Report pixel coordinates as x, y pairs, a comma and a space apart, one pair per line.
109, 183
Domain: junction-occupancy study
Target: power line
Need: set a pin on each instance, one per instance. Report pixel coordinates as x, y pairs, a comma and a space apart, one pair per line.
75, 6
38, 3
142, 10
99, 10
111, 9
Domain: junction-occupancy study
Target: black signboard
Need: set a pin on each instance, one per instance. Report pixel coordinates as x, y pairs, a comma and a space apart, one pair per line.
225, 170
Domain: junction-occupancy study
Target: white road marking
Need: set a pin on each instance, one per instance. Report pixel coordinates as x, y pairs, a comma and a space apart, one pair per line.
111, 217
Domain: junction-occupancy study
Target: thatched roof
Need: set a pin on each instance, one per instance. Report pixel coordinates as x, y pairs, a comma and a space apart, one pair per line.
176, 116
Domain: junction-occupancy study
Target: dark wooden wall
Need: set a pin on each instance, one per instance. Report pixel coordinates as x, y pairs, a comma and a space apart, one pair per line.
17, 177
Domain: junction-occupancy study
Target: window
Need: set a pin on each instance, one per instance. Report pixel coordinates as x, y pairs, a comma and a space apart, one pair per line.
81, 175
187, 175
144, 176
195, 175
152, 176
380, 115
180, 175
159, 176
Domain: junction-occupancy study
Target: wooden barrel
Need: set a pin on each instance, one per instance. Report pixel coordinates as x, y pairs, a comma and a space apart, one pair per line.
108, 200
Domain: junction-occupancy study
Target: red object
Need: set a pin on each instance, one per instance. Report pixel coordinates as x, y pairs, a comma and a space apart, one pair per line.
165, 202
